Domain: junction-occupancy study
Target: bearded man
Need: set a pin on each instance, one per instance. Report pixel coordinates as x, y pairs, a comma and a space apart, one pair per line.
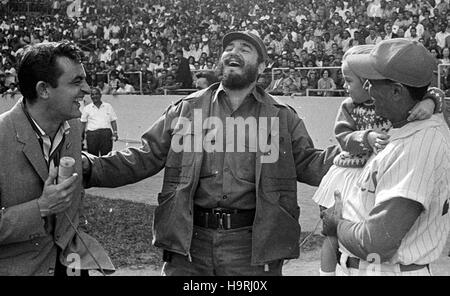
232, 156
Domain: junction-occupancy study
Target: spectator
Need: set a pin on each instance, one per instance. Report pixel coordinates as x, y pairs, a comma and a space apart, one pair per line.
99, 125
12, 89
326, 82
167, 85
191, 62
288, 86
413, 35
319, 27
205, 79
263, 81
124, 88
10, 77
445, 59
275, 84
304, 86
183, 74
389, 33
150, 83
308, 44
372, 38
157, 64
442, 34
104, 87
3, 87
435, 52
313, 78
113, 81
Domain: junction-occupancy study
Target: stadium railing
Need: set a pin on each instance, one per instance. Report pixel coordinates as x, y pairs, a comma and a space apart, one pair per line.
324, 92
302, 69
135, 79
442, 72
10, 95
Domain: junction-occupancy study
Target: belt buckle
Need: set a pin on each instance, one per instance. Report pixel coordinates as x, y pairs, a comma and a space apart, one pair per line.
220, 216
343, 263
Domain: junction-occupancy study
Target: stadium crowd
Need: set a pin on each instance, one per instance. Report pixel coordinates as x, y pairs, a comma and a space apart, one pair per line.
159, 46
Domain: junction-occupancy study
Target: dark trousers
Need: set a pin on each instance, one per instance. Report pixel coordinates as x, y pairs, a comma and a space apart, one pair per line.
99, 142
219, 253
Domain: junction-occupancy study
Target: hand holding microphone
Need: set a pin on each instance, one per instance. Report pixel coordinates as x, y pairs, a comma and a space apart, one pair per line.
67, 184
56, 198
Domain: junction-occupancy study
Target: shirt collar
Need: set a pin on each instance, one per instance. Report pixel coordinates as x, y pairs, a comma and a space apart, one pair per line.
254, 93
95, 106
414, 126
63, 129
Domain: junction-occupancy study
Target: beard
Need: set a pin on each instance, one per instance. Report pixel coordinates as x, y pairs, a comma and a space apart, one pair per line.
235, 81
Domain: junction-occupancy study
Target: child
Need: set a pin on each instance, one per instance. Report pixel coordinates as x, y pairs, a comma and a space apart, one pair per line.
359, 132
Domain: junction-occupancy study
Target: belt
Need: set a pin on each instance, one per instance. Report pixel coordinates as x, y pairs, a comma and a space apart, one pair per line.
353, 262
98, 130
222, 218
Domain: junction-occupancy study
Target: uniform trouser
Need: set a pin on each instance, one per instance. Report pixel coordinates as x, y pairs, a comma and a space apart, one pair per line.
99, 142
219, 252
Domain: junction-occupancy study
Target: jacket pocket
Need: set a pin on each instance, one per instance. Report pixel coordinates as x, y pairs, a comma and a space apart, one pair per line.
279, 184
282, 166
164, 197
287, 202
166, 223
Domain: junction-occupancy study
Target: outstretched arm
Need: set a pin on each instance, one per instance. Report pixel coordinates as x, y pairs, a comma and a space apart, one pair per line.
349, 138
133, 164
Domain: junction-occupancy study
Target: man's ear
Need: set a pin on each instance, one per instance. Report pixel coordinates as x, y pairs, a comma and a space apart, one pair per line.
42, 89
398, 91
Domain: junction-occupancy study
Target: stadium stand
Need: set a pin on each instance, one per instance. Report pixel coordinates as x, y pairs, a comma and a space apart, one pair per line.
138, 39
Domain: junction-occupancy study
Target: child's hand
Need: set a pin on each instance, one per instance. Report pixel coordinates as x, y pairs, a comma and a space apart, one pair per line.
377, 141
422, 110
432, 102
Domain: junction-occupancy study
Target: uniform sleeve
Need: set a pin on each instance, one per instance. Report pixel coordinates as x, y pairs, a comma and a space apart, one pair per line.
134, 164
412, 169
350, 139
382, 231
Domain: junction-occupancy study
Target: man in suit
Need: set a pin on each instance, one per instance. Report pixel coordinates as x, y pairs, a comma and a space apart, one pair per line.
39, 218
275, 85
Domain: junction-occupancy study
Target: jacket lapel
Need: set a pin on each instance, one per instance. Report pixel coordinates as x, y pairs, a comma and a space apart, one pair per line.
66, 149
31, 147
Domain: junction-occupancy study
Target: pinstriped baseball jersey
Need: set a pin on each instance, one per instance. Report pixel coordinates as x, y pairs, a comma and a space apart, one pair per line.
414, 165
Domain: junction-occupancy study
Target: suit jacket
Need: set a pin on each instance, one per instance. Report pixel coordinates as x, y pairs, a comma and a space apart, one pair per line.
26, 245
275, 84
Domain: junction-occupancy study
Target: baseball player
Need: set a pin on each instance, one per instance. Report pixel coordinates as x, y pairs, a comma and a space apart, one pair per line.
398, 222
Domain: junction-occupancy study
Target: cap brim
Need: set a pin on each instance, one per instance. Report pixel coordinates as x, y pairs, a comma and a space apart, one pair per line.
238, 35
363, 65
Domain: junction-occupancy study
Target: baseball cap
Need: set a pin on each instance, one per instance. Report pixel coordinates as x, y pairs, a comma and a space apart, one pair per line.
252, 38
399, 60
